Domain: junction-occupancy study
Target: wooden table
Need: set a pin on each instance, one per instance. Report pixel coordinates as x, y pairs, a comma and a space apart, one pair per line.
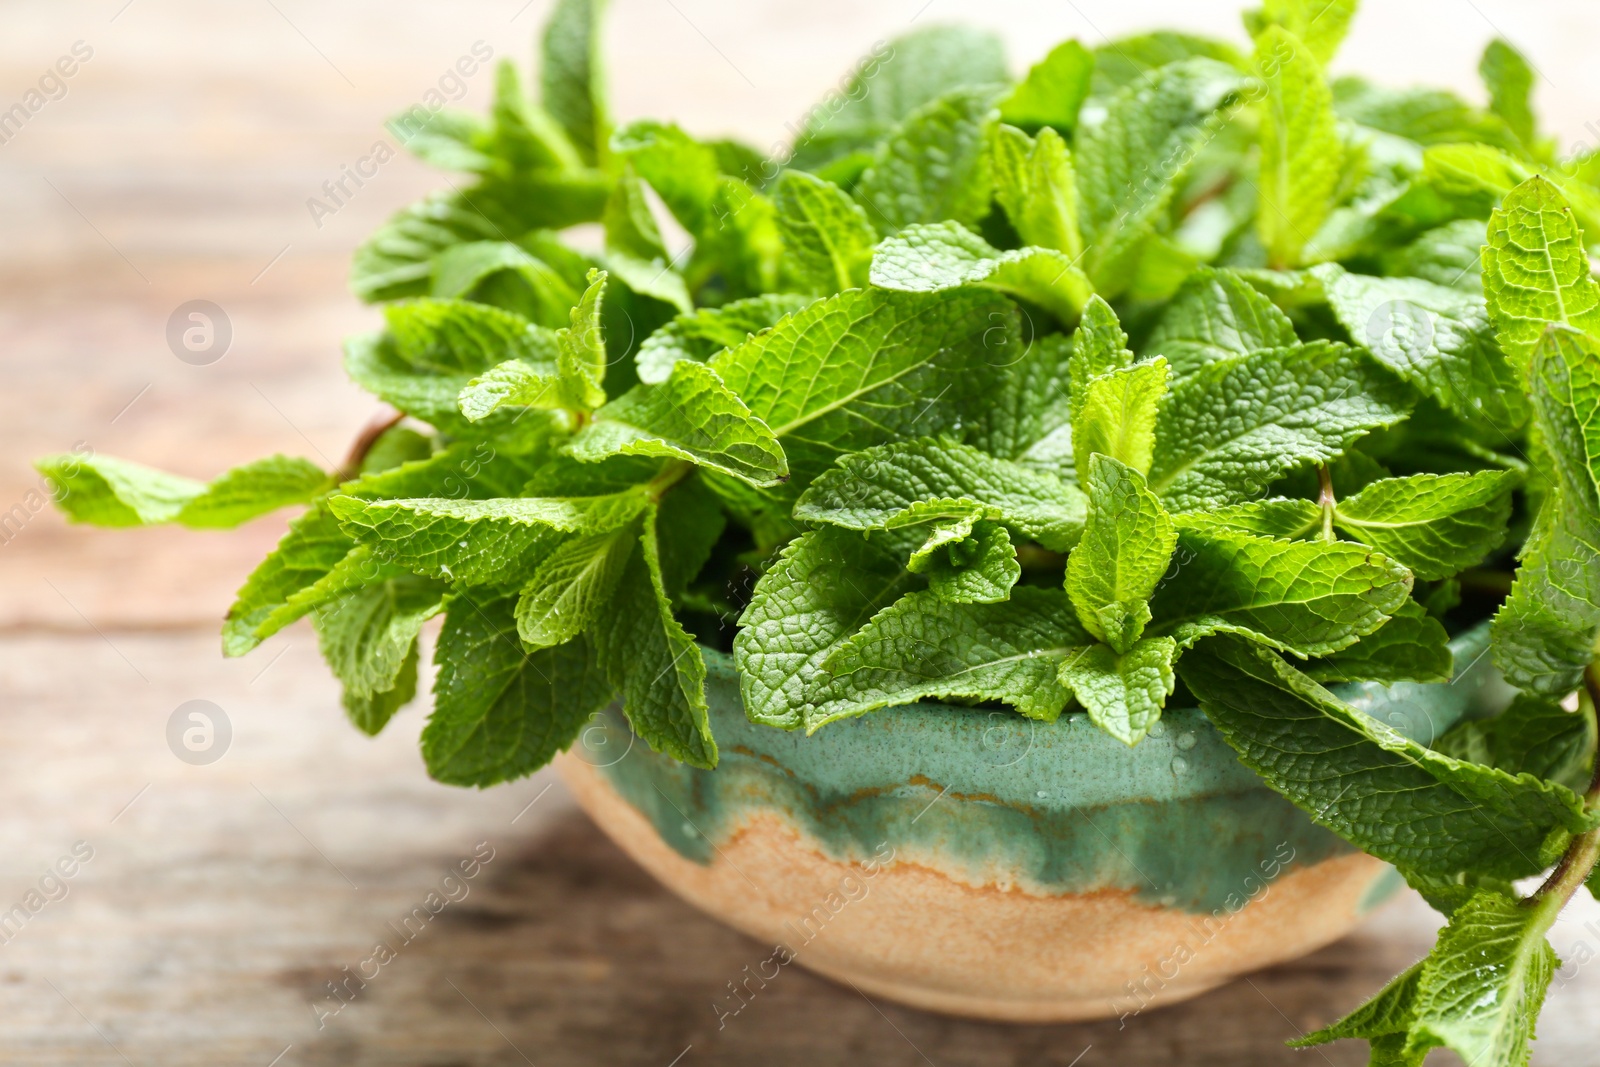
220, 900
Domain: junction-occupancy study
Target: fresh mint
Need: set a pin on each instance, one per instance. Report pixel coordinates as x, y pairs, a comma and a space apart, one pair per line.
1173, 370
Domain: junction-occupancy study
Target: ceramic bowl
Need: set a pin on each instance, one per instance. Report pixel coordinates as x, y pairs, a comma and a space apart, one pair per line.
981, 864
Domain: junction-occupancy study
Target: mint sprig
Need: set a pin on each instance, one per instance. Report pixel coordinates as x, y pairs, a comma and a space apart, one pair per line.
1169, 368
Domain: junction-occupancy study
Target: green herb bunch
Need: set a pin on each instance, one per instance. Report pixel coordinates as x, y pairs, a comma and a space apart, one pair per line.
1168, 372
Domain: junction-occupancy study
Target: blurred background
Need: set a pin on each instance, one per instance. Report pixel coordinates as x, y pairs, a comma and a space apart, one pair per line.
176, 164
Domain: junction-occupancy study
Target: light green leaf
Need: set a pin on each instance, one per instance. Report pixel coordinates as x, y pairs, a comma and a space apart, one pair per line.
824, 587
571, 83
1548, 631
691, 416
1533, 735
1215, 315
1035, 185
368, 635
1411, 647
1124, 60
1230, 430
827, 237
866, 366
507, 276
895, 79
514, 383
478, 542
1280, 517
1434, 524
1310, 598
1118, 417
1130, 162
581, 350
372, 712
936, 165
932, 257
500, 713
653, 661
1384, 1021
1052, 91
1446, 255
1321, 24
1436, 338
448, 139
1302, 155
701, 334
1127, 544
1509, 79
524, 136
1123, 692
1535, 270
397, 260
923, 646
1098, 347
105, 491
1481, 988
635, 253
968, 561
571, 587
1383, 792
916, 481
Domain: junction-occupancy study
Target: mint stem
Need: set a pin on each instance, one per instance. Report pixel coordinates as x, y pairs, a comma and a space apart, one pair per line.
1584, 851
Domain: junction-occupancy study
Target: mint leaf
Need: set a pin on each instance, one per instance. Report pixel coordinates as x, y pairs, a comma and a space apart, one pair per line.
1411, 647
653, 661
447, 139
372, 712
1535, 269
105, 491
315, 561
1436, 338
501, 713
478, 542
368, 637
507, 276
1230, 430
1278, 517
1435, 525
1028, 421
1302, 155
1310, 598
1124, 60
514, 383
1388, 795
524, 136
910, 482
690, 416
635, 254
827, 237
1509, 80
1545, 634
866, 366
1035, 185
571, 586
1099, 346
397, 260
581, 350
824, 587
1320, 24
1384, 1021
1446, 255
1213, 316
891, 82
1481, 988
570, 80
1533, 735
932, 257
1117, 417
1130, 161
1052, 91
923, 646
701, 334
968, 561
1123, 692
936, 165
1127, 543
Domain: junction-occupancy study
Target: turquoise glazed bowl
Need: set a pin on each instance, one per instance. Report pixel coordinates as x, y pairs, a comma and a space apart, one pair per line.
982, 864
